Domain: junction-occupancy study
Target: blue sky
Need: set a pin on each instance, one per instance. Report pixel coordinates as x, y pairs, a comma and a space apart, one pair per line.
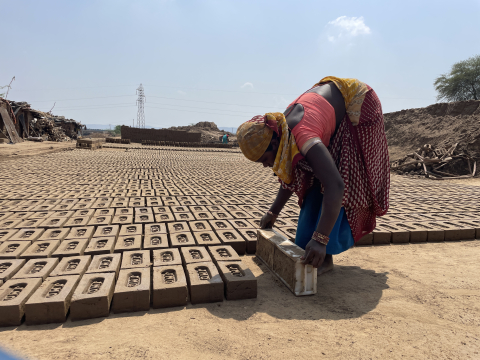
224, 61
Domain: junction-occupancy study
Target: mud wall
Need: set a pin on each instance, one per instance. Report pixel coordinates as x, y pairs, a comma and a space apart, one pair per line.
438, 124
137, 135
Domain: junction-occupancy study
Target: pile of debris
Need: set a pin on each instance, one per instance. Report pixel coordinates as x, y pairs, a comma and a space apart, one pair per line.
438, 163
24, 122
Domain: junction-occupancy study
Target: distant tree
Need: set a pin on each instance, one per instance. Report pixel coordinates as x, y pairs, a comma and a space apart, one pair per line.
462, 83
117, 129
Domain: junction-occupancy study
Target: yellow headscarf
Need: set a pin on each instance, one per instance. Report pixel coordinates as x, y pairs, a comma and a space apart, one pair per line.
255, 135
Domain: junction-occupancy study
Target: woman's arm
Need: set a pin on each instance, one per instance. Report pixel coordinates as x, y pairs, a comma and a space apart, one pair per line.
325, 170
282, 197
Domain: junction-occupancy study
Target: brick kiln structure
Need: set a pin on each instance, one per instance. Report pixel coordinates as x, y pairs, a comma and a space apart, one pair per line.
137, 135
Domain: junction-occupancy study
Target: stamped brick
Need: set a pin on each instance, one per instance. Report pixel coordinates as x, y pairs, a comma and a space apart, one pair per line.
84, 212
101, 245
104, 212
122, 219
223, 253
100, 220
158, 241
178, 227
51, 301
28, 223
131, 230
72, 265
136, 259
155, 229
40, 249
78, 221
169, 286
164, 217
13, 249
82, 232
206, 238
199, 225
132, 291
205, 283
8, 224
105, 263
234, 239
240, 283
55, 234
381, 235
250, 237
203, 215
218, 225
194, 254
8, 268
131, 242
180, 239
93, 296
27, 235
107, 230
71, 247
124, 211
53, 222
7, 234
36, 268
13, 296
167, 257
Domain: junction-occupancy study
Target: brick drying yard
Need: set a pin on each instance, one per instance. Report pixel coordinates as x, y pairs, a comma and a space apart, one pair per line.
414, 293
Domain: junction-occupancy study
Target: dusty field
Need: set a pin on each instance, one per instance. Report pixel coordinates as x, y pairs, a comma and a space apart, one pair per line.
392, 301
31, 148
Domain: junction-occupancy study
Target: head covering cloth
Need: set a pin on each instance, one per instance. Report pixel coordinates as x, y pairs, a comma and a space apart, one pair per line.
254, 137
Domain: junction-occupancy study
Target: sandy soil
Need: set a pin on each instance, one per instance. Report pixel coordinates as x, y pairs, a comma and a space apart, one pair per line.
383, 302
29, 148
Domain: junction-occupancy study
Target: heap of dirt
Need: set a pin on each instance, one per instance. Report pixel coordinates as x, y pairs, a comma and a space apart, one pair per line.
440, 125
209, 130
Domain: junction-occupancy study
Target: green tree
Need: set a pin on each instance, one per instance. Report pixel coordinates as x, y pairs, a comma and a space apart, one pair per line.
117, 129
462, 83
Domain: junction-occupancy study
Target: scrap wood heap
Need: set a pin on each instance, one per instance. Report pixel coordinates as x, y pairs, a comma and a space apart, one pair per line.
437, 163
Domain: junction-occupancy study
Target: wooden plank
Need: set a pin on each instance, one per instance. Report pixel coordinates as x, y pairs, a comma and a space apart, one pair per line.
12, 132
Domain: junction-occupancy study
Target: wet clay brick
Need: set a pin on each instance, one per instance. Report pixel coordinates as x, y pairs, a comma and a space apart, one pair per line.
124, 211
459, 231
53, 222
136, 259
154, 229
166, 257
13, 296
9, 224
100, 220
28, 223
381, 235
240, 283
93, 296
240, 224
13, 249
166, 218
203, 215
250, 237
72, 265
105, 263
83, 232
80, 221
182, 239
365, 240
54, 234
132, 291
124, 243
104, 212
27, 235
161, 210
71, 247
8, 268
195, 254
101, 245
220, 225
51, 301
206, 238
131, 230
144, 218
36, 268
152, 242
233, 238
122, 219
205, 283
169, 286
178, 227
222, 215
107, 230
7, 234
40, 249
223, 253
199, 225
85, 212
283, 258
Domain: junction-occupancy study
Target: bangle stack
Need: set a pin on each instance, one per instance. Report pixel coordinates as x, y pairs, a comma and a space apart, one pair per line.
271, 213
320, 238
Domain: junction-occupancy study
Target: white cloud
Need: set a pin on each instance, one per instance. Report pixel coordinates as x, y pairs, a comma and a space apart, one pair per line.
181, 92
346, 27
247, 84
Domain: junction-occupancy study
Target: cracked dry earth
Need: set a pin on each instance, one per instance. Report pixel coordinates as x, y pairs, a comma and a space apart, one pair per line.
397, 301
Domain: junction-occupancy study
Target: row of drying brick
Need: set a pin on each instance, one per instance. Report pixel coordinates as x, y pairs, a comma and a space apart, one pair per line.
44, 290
428, 231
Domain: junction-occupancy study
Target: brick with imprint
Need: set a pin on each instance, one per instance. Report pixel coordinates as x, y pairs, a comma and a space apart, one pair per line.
166, 257
72, 265
250, 237
93, 296
40, 249
136, 259
36, 268
71, 247
13, 296
27, 235
107, 230
54, 234
206, 238
180, 239
82, 232
223, 253
132, 291
125, 243
13, 249
240, 283
195, 254
10, 267
51, 301
105, 263
169, 286
234, 239
205, 283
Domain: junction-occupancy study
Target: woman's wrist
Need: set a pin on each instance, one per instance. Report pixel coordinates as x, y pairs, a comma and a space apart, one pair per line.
271, 213
320, 238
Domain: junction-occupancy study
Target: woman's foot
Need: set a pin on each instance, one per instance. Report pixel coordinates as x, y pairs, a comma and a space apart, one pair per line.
327, 265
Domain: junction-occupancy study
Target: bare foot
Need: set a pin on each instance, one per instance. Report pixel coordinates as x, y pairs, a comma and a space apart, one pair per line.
327, 265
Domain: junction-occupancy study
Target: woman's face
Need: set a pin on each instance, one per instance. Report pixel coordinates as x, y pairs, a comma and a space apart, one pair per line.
268, 157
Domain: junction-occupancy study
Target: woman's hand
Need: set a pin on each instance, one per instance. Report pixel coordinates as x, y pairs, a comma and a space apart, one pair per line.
267, 221
314, 253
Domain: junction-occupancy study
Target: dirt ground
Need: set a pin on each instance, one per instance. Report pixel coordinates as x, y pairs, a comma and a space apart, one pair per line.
382, 302
30, 148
